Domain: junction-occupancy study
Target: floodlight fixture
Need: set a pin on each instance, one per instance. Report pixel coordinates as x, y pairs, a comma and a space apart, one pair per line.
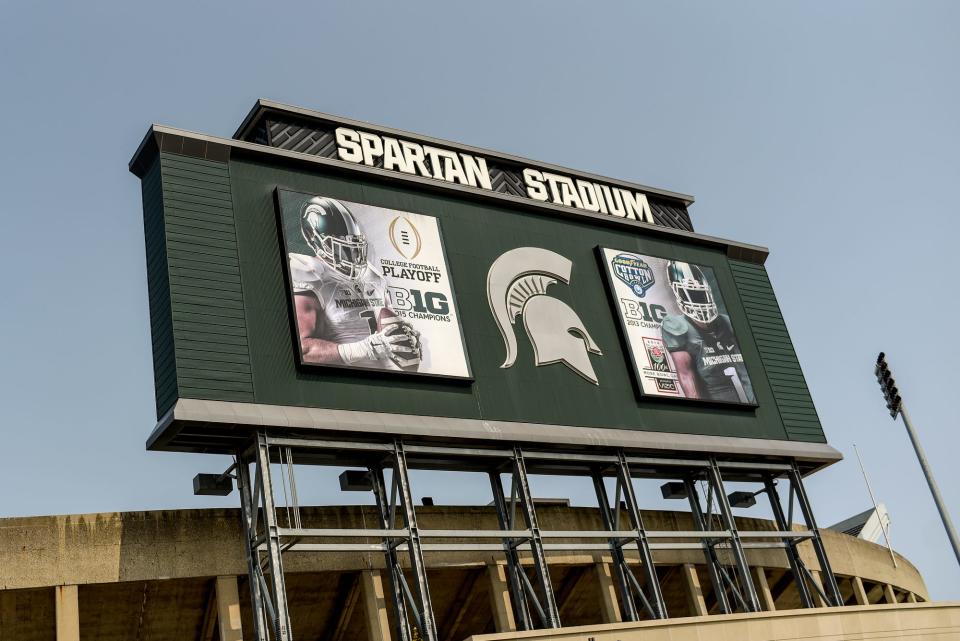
212, 484
743, 499
356, 481
673, 490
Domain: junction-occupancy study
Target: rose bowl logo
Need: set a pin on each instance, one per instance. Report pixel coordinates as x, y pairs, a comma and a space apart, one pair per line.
634, 271
405, 238
656, 355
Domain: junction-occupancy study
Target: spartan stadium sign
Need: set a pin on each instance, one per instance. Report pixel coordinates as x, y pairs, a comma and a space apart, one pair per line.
412, 158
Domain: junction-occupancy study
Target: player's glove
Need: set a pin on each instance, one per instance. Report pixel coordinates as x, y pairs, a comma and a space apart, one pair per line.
404, 343
397, 341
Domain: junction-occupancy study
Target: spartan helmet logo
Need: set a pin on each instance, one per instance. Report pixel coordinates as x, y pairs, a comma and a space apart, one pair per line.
516, 286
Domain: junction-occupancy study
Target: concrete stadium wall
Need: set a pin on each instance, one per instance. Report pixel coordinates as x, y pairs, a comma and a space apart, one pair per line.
182, 575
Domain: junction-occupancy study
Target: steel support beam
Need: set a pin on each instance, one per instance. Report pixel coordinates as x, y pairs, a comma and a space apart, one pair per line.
277, 584
655, 602
826, 571
394, 572
611, 520
548, 602
248, 507
505, 516
425, 619
793, 556
532, 596
749, 592
713, 561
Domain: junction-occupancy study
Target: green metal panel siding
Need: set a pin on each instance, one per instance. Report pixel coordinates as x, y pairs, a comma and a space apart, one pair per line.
776, 352
206, 296
474, 235
158, 289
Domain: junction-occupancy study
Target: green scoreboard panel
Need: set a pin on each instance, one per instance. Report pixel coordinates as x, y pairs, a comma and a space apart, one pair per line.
324, 276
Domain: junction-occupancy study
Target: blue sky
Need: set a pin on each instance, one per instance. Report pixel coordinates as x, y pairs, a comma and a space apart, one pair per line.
827, 132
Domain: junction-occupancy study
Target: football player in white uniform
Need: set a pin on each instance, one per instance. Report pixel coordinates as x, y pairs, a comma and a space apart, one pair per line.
343, 315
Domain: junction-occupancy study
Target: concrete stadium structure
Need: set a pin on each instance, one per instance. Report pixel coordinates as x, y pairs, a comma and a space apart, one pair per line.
182, 575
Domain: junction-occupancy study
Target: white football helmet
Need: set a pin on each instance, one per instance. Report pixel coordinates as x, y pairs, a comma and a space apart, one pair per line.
334, 235
692, 291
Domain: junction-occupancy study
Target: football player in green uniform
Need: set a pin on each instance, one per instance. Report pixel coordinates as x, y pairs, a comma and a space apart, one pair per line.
701, 342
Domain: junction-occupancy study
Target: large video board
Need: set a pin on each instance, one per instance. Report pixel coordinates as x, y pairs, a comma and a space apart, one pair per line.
304, 277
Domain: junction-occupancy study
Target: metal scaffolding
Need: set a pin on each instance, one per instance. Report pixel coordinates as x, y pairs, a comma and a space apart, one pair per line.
524, 544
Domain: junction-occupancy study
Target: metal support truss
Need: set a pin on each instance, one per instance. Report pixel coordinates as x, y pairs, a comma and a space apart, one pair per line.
520, 538
718, 576
793, 555
832, 596
630, 589
748, 593
522, 592
420, 605
268, 592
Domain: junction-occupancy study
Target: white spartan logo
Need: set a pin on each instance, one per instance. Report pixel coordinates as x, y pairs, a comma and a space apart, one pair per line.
516, 286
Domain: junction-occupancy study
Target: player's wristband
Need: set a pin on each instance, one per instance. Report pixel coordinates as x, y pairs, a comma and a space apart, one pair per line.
359, 351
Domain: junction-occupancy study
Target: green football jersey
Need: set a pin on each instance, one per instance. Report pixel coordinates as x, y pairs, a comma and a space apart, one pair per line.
715, 351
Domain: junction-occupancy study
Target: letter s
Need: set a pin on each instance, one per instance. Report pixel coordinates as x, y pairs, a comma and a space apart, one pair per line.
534, 181
348, 145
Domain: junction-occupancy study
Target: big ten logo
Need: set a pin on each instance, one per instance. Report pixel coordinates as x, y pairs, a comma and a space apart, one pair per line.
635, 312
413, 300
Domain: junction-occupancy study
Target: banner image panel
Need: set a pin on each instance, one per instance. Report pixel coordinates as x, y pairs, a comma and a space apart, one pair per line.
369, 287
678, 333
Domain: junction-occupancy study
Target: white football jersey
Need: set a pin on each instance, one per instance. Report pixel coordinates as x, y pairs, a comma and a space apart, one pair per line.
350, 307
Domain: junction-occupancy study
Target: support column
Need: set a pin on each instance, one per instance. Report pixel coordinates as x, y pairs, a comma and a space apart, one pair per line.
611, 521
793, 556
249, 513
911, 597
889, 596
610, 611
424, 618
829, 580
68, 613
763, 589
374, 606
656, 603
818, 582
506, 517
385, 511
751, 603
500, 604
228, 609
550, 615
276, 581
709, 553
698, 605
859, 593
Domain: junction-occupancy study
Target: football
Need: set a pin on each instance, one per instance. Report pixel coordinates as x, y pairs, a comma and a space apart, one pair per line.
389, 323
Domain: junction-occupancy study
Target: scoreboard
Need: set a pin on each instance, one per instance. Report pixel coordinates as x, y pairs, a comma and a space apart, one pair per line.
318, 275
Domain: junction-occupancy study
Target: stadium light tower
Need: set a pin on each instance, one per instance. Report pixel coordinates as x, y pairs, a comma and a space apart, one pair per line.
895, 404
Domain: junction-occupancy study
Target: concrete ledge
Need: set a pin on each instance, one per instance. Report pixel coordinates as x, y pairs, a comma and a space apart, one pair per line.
914, 621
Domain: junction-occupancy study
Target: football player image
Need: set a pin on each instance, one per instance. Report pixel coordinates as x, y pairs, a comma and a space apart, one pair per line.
702, 342
343, 315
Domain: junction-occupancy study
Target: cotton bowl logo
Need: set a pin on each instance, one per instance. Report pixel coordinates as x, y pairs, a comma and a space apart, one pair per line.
636, 273
405, 238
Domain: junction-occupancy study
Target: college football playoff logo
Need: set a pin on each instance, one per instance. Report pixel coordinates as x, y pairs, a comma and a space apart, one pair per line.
517, 283
634, 271
405, 238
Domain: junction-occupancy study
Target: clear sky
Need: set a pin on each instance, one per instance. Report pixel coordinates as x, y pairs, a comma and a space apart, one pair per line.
828, 132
